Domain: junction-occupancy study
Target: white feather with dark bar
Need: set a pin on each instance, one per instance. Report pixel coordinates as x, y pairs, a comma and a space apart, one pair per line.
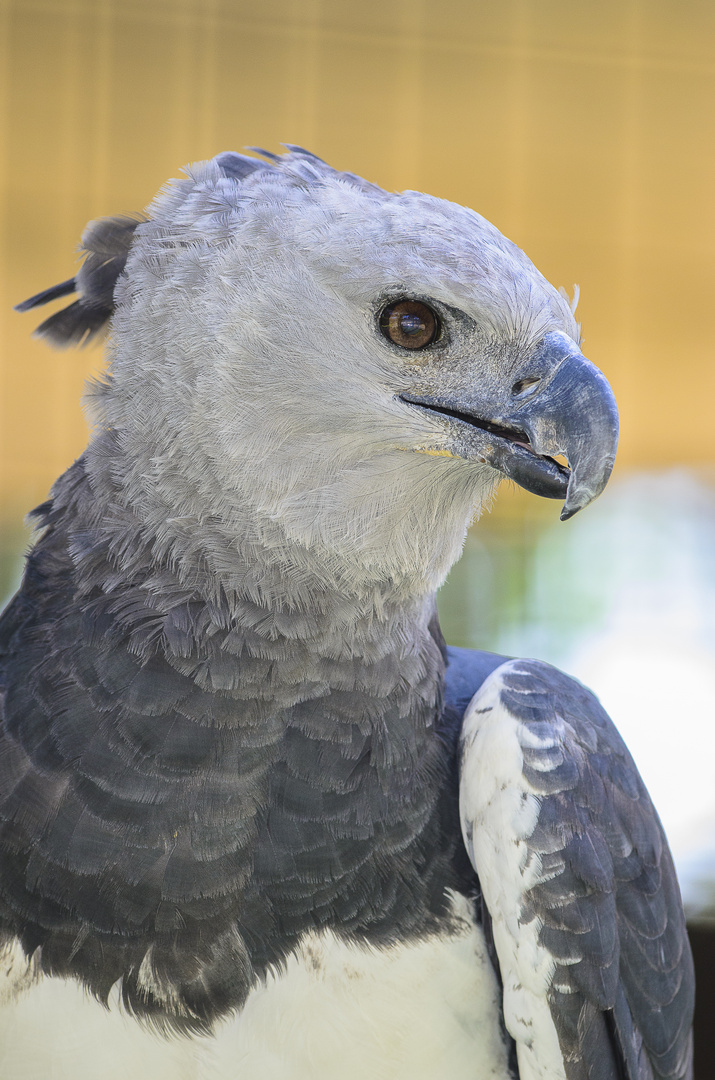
568, 849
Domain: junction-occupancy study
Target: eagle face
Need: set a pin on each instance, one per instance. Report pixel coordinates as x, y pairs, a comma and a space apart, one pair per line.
269, 369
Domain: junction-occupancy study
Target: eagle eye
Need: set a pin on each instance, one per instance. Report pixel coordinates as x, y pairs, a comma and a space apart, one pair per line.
410, 324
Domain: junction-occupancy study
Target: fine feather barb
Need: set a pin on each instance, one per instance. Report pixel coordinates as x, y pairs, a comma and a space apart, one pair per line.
238, 166
264, 153
55, 292
77, 324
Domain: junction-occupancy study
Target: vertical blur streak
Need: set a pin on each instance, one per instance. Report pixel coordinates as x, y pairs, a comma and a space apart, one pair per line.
627, 213
4, 165
407, 110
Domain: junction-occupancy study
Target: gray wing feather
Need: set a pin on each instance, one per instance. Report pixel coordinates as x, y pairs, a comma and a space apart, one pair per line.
607, 898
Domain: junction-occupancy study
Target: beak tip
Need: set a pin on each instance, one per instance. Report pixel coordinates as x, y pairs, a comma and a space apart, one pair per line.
576, 499
580, 495
583, 490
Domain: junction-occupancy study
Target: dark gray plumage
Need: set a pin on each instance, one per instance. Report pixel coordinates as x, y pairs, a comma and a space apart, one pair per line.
229, 721
126, 723
145, 746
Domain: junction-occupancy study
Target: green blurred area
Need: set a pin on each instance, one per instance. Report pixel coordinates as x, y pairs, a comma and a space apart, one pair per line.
517, 568
14, 542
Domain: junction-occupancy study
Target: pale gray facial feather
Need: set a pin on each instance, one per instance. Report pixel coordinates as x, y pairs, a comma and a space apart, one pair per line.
245, 332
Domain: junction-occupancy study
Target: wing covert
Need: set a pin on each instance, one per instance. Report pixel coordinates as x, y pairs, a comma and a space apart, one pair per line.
579, 882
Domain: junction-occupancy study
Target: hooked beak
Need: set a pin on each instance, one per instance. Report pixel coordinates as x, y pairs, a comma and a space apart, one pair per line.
559, 404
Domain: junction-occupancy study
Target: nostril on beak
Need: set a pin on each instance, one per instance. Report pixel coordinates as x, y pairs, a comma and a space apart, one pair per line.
525, 387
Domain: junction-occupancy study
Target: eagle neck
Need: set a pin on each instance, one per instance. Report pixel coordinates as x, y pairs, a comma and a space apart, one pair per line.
271, 775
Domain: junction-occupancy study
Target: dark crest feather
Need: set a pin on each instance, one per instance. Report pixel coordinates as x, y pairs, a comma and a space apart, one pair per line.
238, 166
105, 243
55, 292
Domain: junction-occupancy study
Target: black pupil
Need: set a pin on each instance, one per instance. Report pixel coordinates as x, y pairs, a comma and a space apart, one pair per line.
411, 324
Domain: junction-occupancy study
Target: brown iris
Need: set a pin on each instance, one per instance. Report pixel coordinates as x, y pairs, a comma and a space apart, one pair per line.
409, 323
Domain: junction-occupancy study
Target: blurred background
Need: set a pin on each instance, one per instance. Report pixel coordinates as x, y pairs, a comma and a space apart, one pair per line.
586, 132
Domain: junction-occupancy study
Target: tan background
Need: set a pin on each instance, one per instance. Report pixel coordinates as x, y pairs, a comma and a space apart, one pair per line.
582, 129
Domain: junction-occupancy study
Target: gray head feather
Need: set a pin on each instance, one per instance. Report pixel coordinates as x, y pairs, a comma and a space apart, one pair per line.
253, 397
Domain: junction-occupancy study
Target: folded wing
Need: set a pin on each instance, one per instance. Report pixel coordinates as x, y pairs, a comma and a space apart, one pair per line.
578, 879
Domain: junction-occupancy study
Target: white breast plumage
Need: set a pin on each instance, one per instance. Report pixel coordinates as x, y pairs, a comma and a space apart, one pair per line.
427, 1010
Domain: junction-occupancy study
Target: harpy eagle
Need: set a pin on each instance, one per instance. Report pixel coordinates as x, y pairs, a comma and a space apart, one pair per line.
257, 821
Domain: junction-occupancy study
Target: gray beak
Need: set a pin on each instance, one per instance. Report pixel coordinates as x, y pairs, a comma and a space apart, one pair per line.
558, 403
571, 411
